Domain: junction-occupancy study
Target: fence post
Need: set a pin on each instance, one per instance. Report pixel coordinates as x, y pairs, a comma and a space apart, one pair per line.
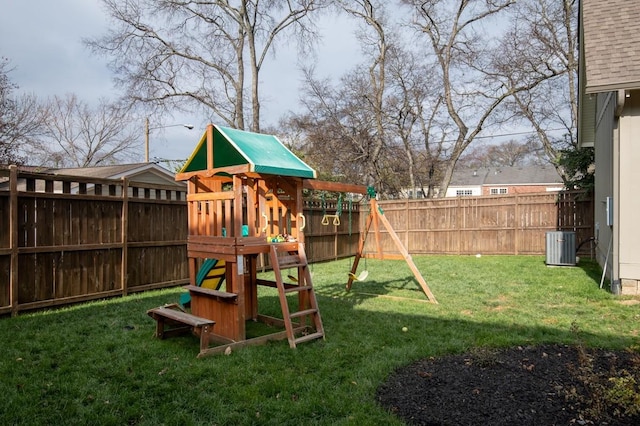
516, 240
335, 236
124, 232
406, 227
13, 239
459, 221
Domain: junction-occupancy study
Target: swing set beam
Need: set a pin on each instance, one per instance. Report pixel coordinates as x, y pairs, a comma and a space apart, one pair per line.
323, 185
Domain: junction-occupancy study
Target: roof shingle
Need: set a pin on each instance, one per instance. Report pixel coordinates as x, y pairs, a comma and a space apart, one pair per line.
611, 44
526, 175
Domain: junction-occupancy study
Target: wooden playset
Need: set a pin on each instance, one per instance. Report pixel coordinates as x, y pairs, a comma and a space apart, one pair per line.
245, 201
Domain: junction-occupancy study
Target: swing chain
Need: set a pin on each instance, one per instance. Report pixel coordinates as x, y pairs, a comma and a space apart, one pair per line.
324, 204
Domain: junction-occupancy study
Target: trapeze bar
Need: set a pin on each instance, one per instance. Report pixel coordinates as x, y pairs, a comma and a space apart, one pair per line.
326, 217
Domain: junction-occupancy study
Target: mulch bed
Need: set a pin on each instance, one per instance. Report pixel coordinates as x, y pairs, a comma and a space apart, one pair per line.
516, 386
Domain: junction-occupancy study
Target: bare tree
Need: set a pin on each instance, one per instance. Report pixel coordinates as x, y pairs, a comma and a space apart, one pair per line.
81, 136
21, 120
509, 153
427, 106
373, 38
180, 54
379, 113
542, 40
338, 130
411, 107
472, 90
345, 125
402, 105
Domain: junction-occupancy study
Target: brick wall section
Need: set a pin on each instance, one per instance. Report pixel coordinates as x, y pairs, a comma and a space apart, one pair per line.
630, 287
519, 189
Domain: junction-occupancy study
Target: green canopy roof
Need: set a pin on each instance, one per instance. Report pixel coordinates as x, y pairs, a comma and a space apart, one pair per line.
265, 154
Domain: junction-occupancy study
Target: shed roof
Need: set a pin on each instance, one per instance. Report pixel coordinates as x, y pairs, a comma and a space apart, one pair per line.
263, 153
611, 44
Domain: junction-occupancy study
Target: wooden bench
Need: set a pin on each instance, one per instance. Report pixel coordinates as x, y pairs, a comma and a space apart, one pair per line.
182, 322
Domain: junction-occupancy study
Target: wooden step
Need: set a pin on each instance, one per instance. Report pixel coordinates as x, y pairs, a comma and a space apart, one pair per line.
179, 316
302, 339
291, 265
303, 313
297, 288
290, 261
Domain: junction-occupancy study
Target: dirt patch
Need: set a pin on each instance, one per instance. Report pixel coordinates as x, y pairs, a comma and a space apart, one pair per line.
629, 302
521, 385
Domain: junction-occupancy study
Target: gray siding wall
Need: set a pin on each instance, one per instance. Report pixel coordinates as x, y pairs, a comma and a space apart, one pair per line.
628, 205
606, 126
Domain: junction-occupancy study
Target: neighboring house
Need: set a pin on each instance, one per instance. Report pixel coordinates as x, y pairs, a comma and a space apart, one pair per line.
144, 173
609, 121
466, 182
504, 180
137, 172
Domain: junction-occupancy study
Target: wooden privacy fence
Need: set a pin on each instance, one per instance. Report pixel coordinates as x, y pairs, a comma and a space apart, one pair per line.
327, 238
70, 239
506, 224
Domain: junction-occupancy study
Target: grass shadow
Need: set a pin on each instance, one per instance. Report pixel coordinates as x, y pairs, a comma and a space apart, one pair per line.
98, 363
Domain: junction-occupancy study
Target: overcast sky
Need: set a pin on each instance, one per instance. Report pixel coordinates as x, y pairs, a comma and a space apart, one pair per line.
43, 41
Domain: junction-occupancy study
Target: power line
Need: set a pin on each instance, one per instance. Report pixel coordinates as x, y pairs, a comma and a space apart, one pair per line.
516, 133
495, 136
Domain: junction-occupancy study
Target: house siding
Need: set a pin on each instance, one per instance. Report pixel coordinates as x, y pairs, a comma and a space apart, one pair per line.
628, 201
475, 190
617, 148
610, 82
604, 148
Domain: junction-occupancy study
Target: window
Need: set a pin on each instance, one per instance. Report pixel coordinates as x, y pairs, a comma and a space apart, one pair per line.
498, 191
463, 192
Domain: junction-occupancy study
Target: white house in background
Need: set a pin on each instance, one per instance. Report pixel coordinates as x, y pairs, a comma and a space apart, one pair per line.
466, 182
137, 172
504, 180
141, 173
609, 121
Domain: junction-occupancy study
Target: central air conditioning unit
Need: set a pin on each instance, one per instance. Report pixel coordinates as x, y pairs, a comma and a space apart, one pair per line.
561, 248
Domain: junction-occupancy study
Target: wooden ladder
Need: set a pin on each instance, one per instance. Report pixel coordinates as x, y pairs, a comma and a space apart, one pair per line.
283, 257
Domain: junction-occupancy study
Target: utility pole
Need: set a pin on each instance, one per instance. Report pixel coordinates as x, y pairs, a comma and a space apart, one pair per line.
147, 129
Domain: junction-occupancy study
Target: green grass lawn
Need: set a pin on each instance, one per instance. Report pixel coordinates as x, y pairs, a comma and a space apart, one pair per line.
97, 363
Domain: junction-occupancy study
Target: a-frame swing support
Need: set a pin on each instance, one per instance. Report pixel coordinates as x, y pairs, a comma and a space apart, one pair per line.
376, 215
